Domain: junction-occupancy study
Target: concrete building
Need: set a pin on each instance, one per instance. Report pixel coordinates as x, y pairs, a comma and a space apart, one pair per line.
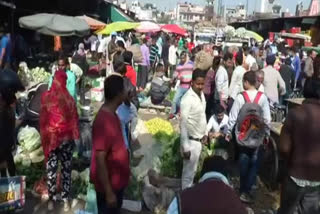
313, 9
235, 14
265, 6
190, 14
145, 12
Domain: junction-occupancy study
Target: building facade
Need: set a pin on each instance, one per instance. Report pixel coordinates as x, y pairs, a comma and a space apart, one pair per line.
190, 14
236, 14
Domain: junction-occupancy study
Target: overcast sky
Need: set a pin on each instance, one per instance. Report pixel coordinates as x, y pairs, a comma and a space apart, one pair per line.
170, 4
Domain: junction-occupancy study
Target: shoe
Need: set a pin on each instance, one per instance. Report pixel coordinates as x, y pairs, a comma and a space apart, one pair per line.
50, 205
171, 116
246, 198
255, 187
66, 205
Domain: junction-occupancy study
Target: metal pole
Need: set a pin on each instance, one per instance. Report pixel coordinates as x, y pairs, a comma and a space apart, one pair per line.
247, 8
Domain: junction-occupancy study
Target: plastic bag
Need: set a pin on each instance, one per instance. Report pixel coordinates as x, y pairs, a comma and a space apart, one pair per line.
91, 200
85, 146
12, 193
29, 139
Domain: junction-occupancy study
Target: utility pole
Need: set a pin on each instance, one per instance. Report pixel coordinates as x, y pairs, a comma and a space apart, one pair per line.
247, 8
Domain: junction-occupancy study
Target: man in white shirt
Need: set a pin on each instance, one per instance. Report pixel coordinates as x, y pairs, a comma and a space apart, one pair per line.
248, 157
260, 79
236, 85
173, 57
102, 48
217, 123
216, 129
222, 82
193, 127
273, 82
250, 60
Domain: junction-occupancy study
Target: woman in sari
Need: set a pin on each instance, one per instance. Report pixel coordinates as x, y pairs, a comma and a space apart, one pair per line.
59, 129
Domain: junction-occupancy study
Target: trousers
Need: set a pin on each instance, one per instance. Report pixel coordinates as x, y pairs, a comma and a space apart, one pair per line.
249, 165
142, 77
64, 154
177, 99
190, 166
299, 200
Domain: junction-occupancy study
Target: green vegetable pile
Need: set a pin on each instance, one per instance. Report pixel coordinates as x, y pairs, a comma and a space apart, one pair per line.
29, 150
29, 159
80, 182
35, 75
134, 190
171, 160
33, 173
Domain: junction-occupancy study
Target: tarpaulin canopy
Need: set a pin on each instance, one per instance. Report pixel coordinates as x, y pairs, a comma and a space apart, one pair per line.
55, 24
118, 26
148, 27
173, 28
93, 23
254, 35
295, 36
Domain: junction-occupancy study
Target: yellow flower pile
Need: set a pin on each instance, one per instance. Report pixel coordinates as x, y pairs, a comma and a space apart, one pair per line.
158, 125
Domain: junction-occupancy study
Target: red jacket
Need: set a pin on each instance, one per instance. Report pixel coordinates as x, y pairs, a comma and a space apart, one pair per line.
132, 75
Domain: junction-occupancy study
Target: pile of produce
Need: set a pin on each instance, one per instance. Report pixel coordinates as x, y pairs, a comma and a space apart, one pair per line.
80, 183
35, 75
29, 150
29, 157
160, 129
171, 160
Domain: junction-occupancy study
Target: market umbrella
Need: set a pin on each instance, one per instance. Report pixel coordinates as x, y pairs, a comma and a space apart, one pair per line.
93, 23
55, 24
148, 27
254, 35
295, 36
118, 26
173, 28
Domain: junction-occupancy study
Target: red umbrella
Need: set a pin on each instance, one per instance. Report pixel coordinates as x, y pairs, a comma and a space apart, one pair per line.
173, 28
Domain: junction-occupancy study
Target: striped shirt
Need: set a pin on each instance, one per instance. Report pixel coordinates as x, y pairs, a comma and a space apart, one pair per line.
154, 52
184, 74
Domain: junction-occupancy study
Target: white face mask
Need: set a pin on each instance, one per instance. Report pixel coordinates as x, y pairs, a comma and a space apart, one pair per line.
215, 53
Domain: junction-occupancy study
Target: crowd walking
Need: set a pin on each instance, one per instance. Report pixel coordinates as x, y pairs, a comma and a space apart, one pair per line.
228, 105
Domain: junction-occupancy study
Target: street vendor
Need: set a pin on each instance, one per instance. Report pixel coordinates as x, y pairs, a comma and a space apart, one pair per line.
64, 65
9, 85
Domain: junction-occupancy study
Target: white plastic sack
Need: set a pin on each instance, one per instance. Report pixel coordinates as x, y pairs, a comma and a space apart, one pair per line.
29, 139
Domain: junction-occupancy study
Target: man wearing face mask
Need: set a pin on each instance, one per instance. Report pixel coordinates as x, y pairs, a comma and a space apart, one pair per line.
9, 85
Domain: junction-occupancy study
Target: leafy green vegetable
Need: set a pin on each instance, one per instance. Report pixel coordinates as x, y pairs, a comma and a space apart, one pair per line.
134, 189
171, 95
171, 160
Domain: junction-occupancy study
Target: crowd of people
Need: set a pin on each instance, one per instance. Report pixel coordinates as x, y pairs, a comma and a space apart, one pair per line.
228, 103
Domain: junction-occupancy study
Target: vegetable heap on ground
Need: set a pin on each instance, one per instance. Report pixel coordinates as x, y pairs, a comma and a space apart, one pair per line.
29, 157
160, 129
80, 182
35, 75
